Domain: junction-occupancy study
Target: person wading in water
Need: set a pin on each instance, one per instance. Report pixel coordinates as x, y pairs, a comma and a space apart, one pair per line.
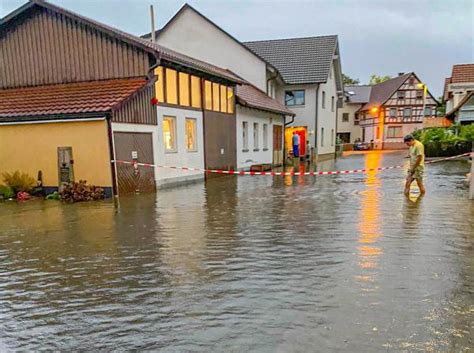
417, 164
296, 145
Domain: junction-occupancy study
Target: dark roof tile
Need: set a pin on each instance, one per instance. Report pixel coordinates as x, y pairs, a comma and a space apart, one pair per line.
250, 96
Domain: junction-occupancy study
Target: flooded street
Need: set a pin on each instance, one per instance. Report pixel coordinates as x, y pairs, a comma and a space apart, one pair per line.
247, 264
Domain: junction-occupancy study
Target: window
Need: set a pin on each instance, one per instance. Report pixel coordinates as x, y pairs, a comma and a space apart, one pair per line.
401, 94
245, 136
160, 84
322, 137
428, 111
294, 98
406, 112
411, 80
184, 89
169, 133
255, 136
171, 86
356, 119
393, 112
208, 95
394, 132
323, 100
345, 117
190, 134
332, 103
230, 100
215, 97
332, 137
195, 92
223, 99
419, 94
265, 137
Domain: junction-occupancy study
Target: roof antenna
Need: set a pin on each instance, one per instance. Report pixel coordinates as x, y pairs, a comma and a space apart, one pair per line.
152, 17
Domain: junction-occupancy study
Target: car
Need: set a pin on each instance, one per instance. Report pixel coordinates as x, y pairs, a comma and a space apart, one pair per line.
361, 146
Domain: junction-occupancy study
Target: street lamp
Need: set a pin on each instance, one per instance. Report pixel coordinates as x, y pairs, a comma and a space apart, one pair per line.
425, 90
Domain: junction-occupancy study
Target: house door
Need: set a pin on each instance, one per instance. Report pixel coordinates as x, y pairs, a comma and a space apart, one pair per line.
65, 166
277, 144
134, 146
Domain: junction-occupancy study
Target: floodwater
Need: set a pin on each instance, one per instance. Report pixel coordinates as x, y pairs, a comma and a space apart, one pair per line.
247, 264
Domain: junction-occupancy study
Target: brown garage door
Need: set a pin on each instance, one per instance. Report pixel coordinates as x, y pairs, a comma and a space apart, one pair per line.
127, 146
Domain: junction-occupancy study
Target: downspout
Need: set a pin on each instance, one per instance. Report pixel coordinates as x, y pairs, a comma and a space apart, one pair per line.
316, 148
113, 165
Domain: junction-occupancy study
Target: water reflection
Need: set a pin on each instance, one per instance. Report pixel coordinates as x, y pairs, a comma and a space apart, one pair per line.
369, 224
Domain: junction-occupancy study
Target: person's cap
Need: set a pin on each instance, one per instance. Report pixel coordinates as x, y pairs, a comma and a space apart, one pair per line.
408, 138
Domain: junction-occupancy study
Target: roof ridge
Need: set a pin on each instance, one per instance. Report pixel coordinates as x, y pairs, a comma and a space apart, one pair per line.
291, 38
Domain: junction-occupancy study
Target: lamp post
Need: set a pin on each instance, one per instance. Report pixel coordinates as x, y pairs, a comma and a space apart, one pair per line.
425, 90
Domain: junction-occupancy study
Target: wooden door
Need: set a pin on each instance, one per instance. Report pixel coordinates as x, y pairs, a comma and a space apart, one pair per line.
130, 146
277, 144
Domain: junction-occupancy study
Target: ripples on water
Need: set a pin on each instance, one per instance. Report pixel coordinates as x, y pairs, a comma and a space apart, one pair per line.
338, 263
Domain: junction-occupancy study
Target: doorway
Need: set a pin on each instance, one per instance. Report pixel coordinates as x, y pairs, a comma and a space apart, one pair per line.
302, 133
277, 145
65, 166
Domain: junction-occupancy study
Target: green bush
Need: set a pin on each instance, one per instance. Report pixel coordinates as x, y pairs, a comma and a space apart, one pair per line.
441, 142
6, 192
19, 182
53, 196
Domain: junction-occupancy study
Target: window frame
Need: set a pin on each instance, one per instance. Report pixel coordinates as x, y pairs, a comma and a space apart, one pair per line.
245, 136
401, 94
322, 137
332, 103
195, 140
345, 117
394, 128
323, 100
430, 110
419, 94
265, 136
405, 109
293, 92
175, 132
256, 142
395, 111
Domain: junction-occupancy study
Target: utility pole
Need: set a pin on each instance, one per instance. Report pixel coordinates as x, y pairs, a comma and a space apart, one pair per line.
152, 17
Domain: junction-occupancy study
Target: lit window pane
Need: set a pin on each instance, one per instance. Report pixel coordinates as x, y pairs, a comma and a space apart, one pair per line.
230, 100
184, 89
208, 95
171, 87
169, 133
159, 85
215, 97
223, 99
196, 91
191, 134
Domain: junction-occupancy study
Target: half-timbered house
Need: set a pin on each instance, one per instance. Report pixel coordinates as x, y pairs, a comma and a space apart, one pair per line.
396, 107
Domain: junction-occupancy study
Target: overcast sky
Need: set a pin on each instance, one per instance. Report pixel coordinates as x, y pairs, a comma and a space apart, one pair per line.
376, 36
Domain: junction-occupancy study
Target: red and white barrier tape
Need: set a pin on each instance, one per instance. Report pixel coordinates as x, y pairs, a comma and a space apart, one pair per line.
292, 173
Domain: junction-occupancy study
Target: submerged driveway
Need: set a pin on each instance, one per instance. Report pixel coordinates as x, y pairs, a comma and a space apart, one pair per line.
291, 264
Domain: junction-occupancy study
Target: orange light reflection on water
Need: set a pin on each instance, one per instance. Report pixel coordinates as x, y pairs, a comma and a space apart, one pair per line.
369, 219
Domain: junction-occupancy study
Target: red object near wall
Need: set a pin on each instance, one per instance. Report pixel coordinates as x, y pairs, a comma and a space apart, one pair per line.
302, 135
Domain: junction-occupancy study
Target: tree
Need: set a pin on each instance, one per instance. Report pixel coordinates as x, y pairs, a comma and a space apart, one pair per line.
349, 81
441, 108
375, 79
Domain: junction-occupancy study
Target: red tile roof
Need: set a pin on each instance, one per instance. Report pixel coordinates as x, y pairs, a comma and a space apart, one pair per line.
462, 73
252, 97
63, 99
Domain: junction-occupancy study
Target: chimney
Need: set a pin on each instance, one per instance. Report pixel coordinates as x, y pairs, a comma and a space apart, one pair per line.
152, 16
401, 74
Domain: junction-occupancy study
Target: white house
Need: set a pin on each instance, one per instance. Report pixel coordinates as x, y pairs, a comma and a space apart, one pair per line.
260, 119
310, 85
458, 94
348, 128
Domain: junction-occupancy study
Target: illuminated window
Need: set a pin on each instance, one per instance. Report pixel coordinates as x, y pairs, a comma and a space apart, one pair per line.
215, 97
255, 136
184, 89
265, 136
196, 92
169, 133
208, 95
223, 99
191, 135
159, 85
171, 86
245, 135
230, 100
